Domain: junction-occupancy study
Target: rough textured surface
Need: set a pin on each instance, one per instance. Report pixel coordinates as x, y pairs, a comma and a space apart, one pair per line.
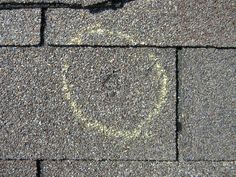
137, 94
149, 22
40, 1
17, 168
87, 103
82, 2
37, 120
89, 2
207, 104
111, 111
134, 169
20, 27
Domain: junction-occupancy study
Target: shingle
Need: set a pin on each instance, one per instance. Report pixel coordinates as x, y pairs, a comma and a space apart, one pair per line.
87, 103
134, 169
162, 23
207, 104
145, 94
90, 2
70, 168
18, 168
37, 120
82, 2
20, 27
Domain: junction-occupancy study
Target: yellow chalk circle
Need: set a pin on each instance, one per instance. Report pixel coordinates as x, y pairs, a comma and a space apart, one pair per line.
97, 29
97, 125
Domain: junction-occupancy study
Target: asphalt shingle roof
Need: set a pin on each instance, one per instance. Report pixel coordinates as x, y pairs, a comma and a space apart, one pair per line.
20, 27
134, 169
25, 168
207, 88
126, 94
160, 23
117, 88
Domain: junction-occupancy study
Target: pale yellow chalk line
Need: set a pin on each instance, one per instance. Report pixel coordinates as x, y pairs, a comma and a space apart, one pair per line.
98, 126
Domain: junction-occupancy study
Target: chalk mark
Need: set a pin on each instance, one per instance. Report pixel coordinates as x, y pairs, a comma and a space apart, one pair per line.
98, 126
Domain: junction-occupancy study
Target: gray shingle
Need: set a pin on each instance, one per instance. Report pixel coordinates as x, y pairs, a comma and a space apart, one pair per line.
143, 96
207, 104
89, 2
20, 27
17, 168
36, 1
87, 103
134, 169
150, 22
38, 122
82, 2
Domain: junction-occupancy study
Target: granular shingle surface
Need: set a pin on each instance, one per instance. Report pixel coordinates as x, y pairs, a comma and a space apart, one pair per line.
37, 122
144, 94
117, 88
90, 2
119, 99
17, 168
41, 1
82, 2
20, 27
134, 169
162, 23
207, 100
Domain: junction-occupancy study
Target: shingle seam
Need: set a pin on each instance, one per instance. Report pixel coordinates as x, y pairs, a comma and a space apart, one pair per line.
115, 160
38, 167
42, 27
124, 46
